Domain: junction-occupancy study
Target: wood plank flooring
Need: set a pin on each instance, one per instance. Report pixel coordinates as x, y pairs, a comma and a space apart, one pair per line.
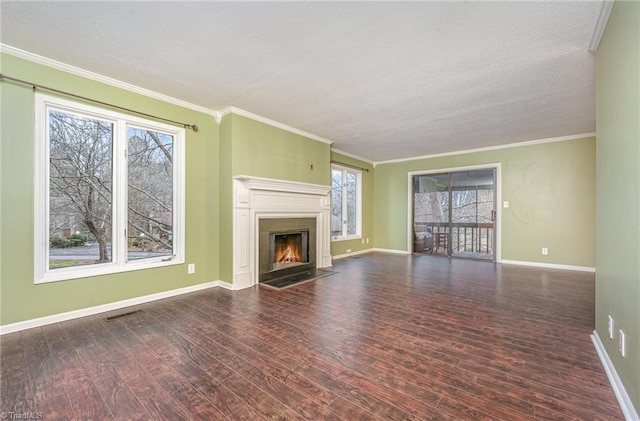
386, 338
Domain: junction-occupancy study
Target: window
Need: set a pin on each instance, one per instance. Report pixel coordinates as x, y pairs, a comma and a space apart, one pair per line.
109, 192
346, 208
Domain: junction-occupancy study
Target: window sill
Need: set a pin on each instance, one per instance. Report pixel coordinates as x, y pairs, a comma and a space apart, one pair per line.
339, 239
57, 275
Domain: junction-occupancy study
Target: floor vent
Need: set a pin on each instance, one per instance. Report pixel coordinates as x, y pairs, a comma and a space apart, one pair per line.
118, 316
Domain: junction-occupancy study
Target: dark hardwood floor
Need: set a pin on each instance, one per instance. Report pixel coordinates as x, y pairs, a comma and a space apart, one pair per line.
386, 338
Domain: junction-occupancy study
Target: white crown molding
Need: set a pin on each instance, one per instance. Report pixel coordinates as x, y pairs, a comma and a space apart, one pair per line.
268, 121
548, 265
58, 65
624, 400
217, 115
492, 148
61, 317
601, 25
350, 155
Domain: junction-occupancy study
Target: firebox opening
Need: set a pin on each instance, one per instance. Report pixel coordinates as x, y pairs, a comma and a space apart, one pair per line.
288, 249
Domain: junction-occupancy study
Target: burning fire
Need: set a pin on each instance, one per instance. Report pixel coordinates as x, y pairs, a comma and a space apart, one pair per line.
289, 256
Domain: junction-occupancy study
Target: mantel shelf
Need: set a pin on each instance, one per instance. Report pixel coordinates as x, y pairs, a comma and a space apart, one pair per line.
258, 183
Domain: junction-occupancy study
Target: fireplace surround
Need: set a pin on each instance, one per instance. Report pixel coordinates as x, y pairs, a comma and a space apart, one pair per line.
265, 206
285, 246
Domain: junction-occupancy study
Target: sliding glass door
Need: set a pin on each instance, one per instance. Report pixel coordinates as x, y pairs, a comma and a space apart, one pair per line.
431, 213
454, 214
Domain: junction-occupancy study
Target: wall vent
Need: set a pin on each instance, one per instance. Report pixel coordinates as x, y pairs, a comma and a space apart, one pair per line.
118, 316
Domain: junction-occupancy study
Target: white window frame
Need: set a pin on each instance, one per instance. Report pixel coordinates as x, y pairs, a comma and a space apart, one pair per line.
344, 236
42, 274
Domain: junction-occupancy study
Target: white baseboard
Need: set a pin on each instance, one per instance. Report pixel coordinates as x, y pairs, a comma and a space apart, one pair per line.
506, 262
392, 251
626, 405
549, 265
353, 253
61, 317
223, 284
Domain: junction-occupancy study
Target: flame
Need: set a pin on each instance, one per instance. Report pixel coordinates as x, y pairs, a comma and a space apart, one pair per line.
289, 256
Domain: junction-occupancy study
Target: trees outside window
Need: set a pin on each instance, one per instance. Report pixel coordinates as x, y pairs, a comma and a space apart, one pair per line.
109, 191
346, 203
149, 193
80, 184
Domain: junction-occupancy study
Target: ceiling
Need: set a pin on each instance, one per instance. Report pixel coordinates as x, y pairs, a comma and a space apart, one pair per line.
382, 80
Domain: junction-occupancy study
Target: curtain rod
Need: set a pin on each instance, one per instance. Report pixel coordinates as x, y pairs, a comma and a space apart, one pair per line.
351, 166
36, 86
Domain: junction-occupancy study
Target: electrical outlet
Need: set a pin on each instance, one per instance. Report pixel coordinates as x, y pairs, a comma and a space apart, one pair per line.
348, 250
621, 343
505, 204
367, 240
191, 268
363, 241
610, 326
545, 251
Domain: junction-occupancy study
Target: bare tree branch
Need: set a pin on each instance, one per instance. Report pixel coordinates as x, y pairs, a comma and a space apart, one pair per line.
154, 136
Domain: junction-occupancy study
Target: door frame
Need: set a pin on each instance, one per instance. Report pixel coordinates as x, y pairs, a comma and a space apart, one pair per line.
497, 188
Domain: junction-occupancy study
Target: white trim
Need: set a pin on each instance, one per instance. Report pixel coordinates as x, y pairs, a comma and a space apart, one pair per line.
497, 188
89, 311
548, 265
218, 115
222, 284
271, 184
601, 25
372, 250
121, 122
349, 238
624, 401
491, 148
35, 58
391, 251
256, 198
273, 123
353, 253
344, 236
350, 155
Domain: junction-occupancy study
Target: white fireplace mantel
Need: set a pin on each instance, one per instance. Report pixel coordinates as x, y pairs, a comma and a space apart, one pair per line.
256, 198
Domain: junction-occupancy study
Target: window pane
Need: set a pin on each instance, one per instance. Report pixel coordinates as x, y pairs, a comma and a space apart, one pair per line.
352, 203
336, 203
80, 190
150, 194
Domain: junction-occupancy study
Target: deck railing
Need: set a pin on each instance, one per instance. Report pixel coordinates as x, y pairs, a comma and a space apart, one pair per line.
463, 236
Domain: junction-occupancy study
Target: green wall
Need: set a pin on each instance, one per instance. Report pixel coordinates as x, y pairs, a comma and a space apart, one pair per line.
618, 191
226, 201
340, 247
261, 150
250, 147
550, 188
20, 299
